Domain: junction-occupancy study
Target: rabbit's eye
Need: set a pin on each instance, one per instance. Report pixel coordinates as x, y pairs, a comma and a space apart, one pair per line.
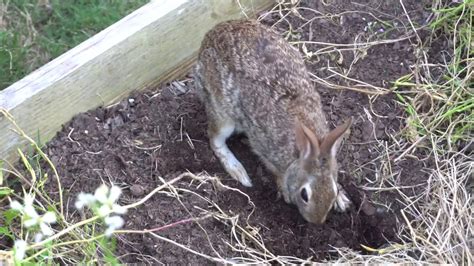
304, 195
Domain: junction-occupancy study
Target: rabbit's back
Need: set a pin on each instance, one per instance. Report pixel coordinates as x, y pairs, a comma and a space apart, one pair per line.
257, 53
260, 81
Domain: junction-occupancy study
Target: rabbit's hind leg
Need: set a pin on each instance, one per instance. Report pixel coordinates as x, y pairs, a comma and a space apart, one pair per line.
221, 127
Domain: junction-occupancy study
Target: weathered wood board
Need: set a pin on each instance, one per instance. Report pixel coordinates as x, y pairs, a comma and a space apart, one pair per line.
154, 44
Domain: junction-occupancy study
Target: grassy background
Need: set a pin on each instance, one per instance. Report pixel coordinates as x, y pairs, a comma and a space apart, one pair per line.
33, 32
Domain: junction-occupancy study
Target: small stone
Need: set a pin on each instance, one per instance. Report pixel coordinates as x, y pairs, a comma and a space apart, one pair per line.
381, 210
137, 190
367, 208
380, 133
396, 46
356, 155
117, 121
131, 102
55, 159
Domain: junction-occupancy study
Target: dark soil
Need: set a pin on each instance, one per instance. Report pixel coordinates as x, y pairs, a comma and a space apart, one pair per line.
162, 132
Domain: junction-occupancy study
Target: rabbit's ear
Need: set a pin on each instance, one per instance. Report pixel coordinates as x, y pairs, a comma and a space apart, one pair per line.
306, 142
333, 139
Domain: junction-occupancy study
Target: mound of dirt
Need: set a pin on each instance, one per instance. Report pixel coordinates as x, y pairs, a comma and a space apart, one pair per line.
157, 135
162, 132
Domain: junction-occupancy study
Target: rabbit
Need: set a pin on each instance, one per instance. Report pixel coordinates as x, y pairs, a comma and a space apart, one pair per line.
252, 81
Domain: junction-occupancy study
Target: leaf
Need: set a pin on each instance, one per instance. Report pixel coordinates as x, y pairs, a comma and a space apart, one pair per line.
5, 191
5, 232
9, 215
108, 246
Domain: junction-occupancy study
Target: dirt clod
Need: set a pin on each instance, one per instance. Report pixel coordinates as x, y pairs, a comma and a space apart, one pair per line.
137, 190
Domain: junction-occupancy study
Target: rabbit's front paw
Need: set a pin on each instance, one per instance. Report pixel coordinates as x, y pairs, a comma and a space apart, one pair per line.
285, 197
342, 201
281, 192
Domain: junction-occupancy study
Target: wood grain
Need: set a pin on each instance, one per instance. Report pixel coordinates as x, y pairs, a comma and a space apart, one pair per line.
154, 44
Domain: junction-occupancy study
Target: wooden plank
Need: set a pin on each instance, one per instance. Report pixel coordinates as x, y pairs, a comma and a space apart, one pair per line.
156, 43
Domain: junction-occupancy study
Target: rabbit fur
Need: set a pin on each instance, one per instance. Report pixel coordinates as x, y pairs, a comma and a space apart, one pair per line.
254, 82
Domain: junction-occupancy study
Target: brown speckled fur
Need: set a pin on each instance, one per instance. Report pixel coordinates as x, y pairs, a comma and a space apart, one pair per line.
251, 76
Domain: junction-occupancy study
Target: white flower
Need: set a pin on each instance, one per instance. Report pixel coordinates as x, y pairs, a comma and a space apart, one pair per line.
107, 199
15, 205
38, 237
43, 222
113, 223
28, 201
19, 249
47, 219
104, 199
32, 218
84, 199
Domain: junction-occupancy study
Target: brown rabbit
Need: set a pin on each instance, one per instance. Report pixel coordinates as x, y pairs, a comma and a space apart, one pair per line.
252, 81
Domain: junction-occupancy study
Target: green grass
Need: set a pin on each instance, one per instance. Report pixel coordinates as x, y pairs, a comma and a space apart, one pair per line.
444, 108
34, 32
458, 85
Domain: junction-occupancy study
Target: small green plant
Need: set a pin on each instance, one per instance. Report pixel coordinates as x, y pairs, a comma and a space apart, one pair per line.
29, 222
102, 203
